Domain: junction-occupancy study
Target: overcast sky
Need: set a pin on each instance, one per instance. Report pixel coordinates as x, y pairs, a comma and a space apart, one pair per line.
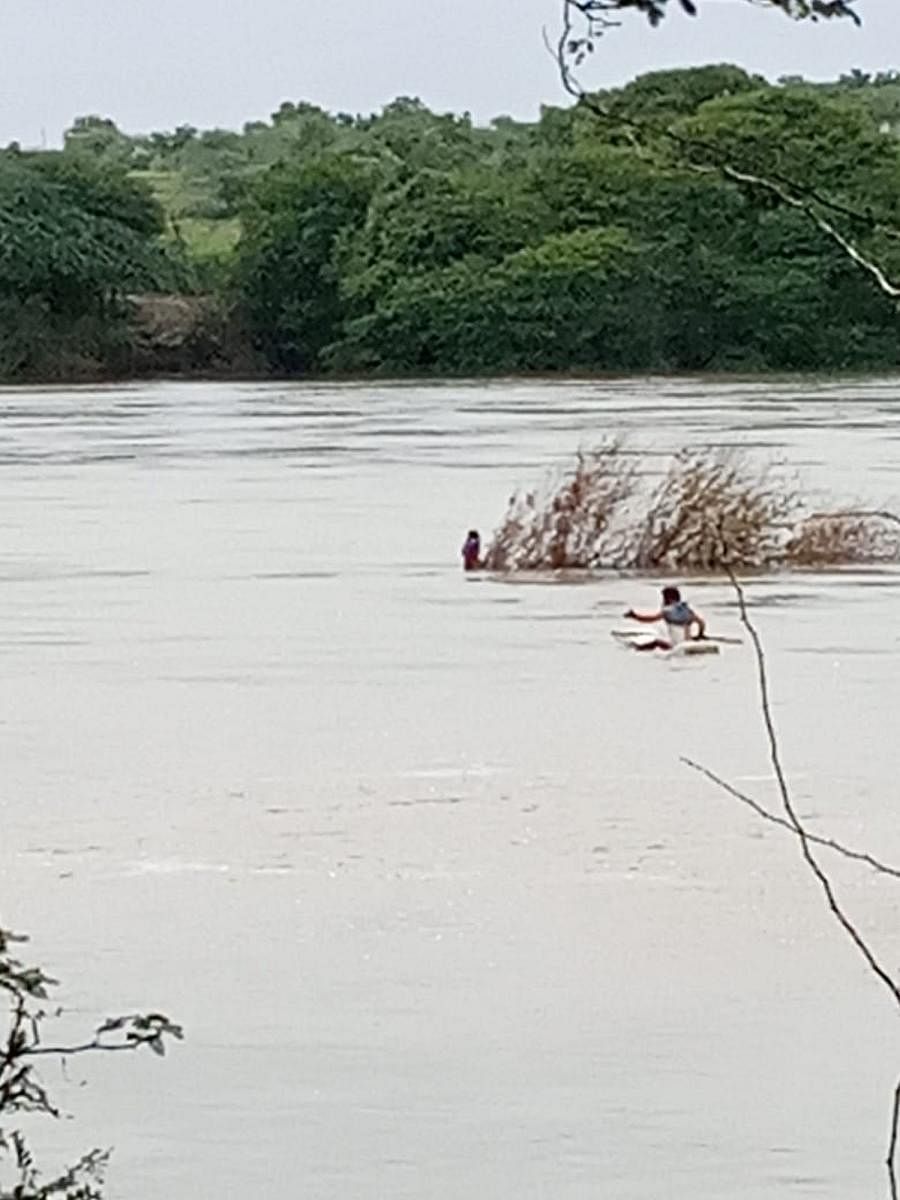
154, 64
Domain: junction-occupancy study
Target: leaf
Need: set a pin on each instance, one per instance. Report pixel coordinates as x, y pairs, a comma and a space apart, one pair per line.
111, 1024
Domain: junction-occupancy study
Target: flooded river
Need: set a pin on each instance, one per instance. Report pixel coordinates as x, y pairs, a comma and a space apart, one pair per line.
411, 855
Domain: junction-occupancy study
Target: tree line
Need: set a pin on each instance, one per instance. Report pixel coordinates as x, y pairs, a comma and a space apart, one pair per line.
410, 242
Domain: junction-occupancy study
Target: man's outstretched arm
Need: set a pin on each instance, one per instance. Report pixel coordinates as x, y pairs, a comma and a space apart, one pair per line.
646, 618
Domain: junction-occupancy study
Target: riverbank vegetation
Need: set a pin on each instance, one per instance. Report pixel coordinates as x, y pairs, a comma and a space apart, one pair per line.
694, 511
411, 242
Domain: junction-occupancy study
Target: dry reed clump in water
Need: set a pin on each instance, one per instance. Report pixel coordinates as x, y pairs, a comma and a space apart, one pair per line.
843, 538
564, 525
708, 500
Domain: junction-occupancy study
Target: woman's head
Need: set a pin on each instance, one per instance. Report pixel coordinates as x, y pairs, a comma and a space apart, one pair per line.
671, 595
473, 535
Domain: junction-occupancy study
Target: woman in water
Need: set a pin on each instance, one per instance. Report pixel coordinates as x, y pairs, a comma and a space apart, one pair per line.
471, 551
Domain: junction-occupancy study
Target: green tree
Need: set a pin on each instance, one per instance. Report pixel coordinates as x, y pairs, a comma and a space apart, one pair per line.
676, 93
742, 204
98, 139
408, 134
817, 142
75, 236
558, 305
285, 272
431, 220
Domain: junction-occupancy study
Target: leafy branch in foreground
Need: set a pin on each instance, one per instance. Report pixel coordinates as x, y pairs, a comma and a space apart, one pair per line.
585, 21
28, 990
596, 16
808, 842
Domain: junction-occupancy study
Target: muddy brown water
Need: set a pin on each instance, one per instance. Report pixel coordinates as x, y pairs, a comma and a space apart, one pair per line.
412, 855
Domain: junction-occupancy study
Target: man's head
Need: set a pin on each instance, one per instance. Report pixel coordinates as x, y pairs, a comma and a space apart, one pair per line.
671, 595
473, 535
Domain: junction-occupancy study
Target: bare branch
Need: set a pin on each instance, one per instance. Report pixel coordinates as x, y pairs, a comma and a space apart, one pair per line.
793, 823
129, 1033
886, 285
67, 1051
892, 1144
787, 801
572, 49
773, 818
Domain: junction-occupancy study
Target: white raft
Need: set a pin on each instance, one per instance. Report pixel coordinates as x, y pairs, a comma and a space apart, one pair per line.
682, 650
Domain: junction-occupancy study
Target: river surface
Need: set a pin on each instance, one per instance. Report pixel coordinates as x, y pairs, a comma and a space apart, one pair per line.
412, 855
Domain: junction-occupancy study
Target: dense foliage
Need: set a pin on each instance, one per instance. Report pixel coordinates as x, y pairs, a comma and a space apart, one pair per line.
416, 242
75, 237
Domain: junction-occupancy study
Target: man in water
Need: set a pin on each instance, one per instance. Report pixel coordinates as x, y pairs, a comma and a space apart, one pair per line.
679, 618
471, 551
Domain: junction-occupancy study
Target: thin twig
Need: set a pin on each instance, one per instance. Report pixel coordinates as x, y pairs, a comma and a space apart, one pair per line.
892, 1144
66, 1051
774, 819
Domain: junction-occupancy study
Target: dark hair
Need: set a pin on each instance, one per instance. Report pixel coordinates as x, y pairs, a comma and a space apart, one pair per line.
473, 533
671, 595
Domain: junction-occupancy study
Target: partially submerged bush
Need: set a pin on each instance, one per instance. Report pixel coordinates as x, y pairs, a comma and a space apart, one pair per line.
567, 524
843, 538
711, 510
